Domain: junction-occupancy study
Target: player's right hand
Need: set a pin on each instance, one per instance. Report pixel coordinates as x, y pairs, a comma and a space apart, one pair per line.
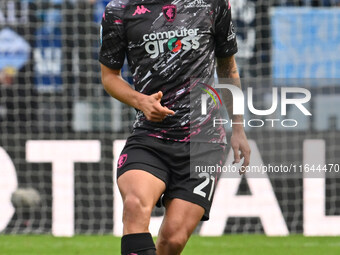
152, 108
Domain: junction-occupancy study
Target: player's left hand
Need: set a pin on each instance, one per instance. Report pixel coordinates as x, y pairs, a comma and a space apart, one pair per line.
239, 143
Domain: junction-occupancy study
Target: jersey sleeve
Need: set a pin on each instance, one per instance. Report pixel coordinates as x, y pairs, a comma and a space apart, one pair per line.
112, 37
225, 36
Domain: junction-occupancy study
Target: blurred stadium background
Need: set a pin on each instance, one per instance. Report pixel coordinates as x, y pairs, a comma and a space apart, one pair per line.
54, 109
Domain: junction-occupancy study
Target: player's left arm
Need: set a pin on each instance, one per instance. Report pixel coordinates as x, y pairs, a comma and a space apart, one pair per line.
227, 69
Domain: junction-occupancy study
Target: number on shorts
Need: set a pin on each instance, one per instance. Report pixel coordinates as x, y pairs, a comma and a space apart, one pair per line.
198, 189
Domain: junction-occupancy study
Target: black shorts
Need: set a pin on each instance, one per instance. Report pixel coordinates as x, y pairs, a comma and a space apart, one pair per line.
181, 165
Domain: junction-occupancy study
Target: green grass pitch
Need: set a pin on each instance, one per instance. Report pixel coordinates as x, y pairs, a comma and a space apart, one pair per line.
228, 245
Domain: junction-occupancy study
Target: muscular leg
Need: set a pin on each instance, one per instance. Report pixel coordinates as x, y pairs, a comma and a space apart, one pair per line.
179, 222
140, 191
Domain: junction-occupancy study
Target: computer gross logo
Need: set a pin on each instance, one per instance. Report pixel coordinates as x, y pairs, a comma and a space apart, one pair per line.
174, 40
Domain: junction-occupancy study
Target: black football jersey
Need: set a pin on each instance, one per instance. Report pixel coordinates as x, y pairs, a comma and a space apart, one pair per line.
169, 44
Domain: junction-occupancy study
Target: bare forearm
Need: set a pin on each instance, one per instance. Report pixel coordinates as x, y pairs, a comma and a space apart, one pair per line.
118, 88
227, 69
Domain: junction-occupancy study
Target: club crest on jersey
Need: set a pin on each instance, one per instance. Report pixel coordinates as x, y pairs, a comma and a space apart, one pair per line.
169, 12
122, 159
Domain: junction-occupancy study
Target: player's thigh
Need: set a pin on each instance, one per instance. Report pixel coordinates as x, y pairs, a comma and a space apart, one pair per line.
142, 185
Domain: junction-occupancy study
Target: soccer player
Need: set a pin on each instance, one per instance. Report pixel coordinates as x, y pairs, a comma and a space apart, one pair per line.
167, 44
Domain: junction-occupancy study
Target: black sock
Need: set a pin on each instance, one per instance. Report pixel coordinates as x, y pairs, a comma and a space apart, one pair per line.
138, 244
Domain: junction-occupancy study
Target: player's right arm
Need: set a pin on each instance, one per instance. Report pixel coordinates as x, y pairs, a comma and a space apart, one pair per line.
111, 57
118, 88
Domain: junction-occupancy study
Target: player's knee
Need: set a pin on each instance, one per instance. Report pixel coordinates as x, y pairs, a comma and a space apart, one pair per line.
174, 237
174, 242
135, 209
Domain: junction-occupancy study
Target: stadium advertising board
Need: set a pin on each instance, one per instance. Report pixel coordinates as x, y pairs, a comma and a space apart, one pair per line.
263, 201
305, 43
